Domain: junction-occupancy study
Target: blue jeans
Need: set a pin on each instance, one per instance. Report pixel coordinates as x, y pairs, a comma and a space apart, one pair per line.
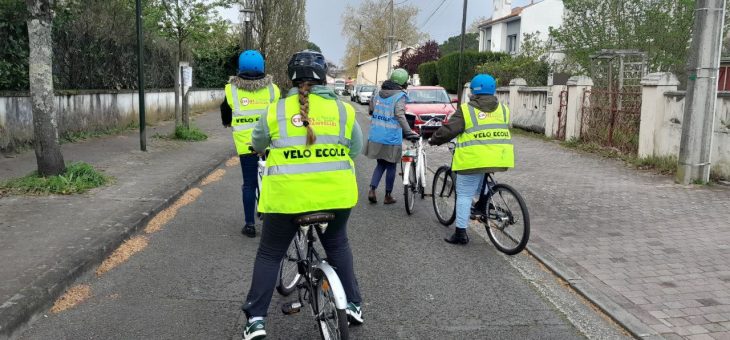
389, 169
467, 186
249, 167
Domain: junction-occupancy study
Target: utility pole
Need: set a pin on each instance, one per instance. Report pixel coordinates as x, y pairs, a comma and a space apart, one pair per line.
359, 44
390, 39
460, 88
695, 148
140, 80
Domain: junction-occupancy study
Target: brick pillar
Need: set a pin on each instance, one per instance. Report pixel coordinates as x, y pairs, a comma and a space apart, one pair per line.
653, 87
577, 87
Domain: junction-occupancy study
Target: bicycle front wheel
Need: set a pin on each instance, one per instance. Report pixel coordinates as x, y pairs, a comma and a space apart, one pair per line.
507, 220
289, 275
409, 191
444, 195
332, 321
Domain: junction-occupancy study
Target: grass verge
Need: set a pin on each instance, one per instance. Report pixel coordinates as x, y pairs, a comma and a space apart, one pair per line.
191, 134
73, 137
78, 178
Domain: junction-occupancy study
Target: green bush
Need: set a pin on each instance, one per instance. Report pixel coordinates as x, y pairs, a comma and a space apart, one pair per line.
448, 67
78, 178
533, 71
428, 72
191, 134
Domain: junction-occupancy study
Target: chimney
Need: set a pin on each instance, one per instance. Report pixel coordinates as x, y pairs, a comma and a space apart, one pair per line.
502, 8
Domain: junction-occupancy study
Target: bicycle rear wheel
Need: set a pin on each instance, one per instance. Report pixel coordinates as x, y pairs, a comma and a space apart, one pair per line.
444, 195
289, 275
409, 191
331, 320
507, 220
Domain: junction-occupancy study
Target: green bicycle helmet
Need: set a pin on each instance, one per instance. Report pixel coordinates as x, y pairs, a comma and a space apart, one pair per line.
399, 76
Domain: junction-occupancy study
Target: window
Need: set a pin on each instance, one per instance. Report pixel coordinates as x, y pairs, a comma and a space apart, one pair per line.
512, 43
488, 47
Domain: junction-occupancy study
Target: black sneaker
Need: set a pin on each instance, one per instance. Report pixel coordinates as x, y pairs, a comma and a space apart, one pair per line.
254, 330
459, 237
354, 314
249, 230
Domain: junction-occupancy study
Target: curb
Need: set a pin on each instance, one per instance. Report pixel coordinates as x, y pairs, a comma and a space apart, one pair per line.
628, 321
55, 282
632, 324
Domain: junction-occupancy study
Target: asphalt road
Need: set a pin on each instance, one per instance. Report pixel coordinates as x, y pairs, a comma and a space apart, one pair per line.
190, 280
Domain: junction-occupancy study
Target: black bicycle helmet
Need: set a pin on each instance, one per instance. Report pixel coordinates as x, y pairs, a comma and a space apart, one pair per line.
307, 65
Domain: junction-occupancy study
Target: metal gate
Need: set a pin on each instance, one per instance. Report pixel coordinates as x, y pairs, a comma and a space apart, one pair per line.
562, 115
611, 118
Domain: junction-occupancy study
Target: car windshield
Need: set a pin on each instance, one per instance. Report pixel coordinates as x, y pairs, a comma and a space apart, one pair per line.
367, 89
428, 96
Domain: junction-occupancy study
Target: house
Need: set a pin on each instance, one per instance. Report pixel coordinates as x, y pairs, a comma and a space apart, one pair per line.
376, 69
505, 30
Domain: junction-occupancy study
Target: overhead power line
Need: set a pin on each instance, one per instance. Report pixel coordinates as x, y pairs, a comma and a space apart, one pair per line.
433, 13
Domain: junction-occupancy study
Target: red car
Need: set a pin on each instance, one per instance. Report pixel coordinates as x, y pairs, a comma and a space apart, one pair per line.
428, 107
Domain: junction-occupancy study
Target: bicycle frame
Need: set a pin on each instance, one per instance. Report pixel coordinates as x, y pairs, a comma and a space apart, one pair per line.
420, 160
309, 264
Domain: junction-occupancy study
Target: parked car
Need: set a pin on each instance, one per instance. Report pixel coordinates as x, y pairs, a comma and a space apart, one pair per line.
365, 94
428, 107
353, 93
340, 88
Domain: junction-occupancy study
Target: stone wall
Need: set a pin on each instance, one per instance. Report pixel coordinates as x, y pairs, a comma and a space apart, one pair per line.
94, 111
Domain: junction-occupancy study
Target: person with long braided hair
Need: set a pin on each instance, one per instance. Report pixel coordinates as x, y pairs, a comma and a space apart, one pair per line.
312, 138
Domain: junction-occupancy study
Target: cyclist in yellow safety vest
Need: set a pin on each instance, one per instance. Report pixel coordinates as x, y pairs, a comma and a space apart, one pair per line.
312, 138
247, 96
483, 145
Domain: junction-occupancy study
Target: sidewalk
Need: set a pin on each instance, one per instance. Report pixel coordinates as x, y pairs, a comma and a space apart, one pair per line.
47, 242
654, 254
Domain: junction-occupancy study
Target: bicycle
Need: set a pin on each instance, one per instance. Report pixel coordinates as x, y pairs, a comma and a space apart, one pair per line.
261, 167
413, 168
316, 282
500, 221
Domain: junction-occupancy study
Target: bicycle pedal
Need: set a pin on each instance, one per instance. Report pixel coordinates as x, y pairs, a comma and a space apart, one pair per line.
290, 308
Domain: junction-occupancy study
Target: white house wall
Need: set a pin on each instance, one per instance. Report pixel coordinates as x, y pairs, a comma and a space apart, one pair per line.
541, 16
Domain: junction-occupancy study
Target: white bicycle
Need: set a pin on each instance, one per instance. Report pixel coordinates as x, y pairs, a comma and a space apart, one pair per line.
413, 166
261, 167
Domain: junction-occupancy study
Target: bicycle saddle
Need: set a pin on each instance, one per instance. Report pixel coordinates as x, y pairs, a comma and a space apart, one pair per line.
314, 218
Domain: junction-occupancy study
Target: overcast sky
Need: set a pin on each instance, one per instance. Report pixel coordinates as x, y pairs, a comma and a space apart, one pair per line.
325, 26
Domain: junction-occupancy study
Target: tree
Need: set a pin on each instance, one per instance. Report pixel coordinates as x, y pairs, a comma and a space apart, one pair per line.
474, 26
375, 29
40, 69
423, 54
183, 21
453, 44
312, 46
659, 27
14, 53
280, 30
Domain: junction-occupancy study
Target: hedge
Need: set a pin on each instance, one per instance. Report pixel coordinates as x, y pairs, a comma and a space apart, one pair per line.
533, 71
448, 67
428, 72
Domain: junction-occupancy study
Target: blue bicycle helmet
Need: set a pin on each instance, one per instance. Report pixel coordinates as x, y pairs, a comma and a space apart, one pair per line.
251, 62
483, 84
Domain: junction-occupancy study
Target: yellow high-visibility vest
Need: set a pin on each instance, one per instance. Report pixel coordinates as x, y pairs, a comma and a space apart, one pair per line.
300, 178
247, 110
486, 141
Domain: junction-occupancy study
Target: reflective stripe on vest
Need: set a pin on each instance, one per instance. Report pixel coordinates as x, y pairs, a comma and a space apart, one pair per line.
245, 117
293, 169
485, 142
384, 126
285, 141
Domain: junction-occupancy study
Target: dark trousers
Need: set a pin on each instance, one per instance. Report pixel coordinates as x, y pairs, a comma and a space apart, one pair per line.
249, 167
276, 235
389, 169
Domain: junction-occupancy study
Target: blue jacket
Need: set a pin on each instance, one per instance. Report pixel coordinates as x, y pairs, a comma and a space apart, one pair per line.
384, 126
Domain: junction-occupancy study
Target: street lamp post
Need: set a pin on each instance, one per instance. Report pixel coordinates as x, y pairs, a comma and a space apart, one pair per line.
246, 18
140, 79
